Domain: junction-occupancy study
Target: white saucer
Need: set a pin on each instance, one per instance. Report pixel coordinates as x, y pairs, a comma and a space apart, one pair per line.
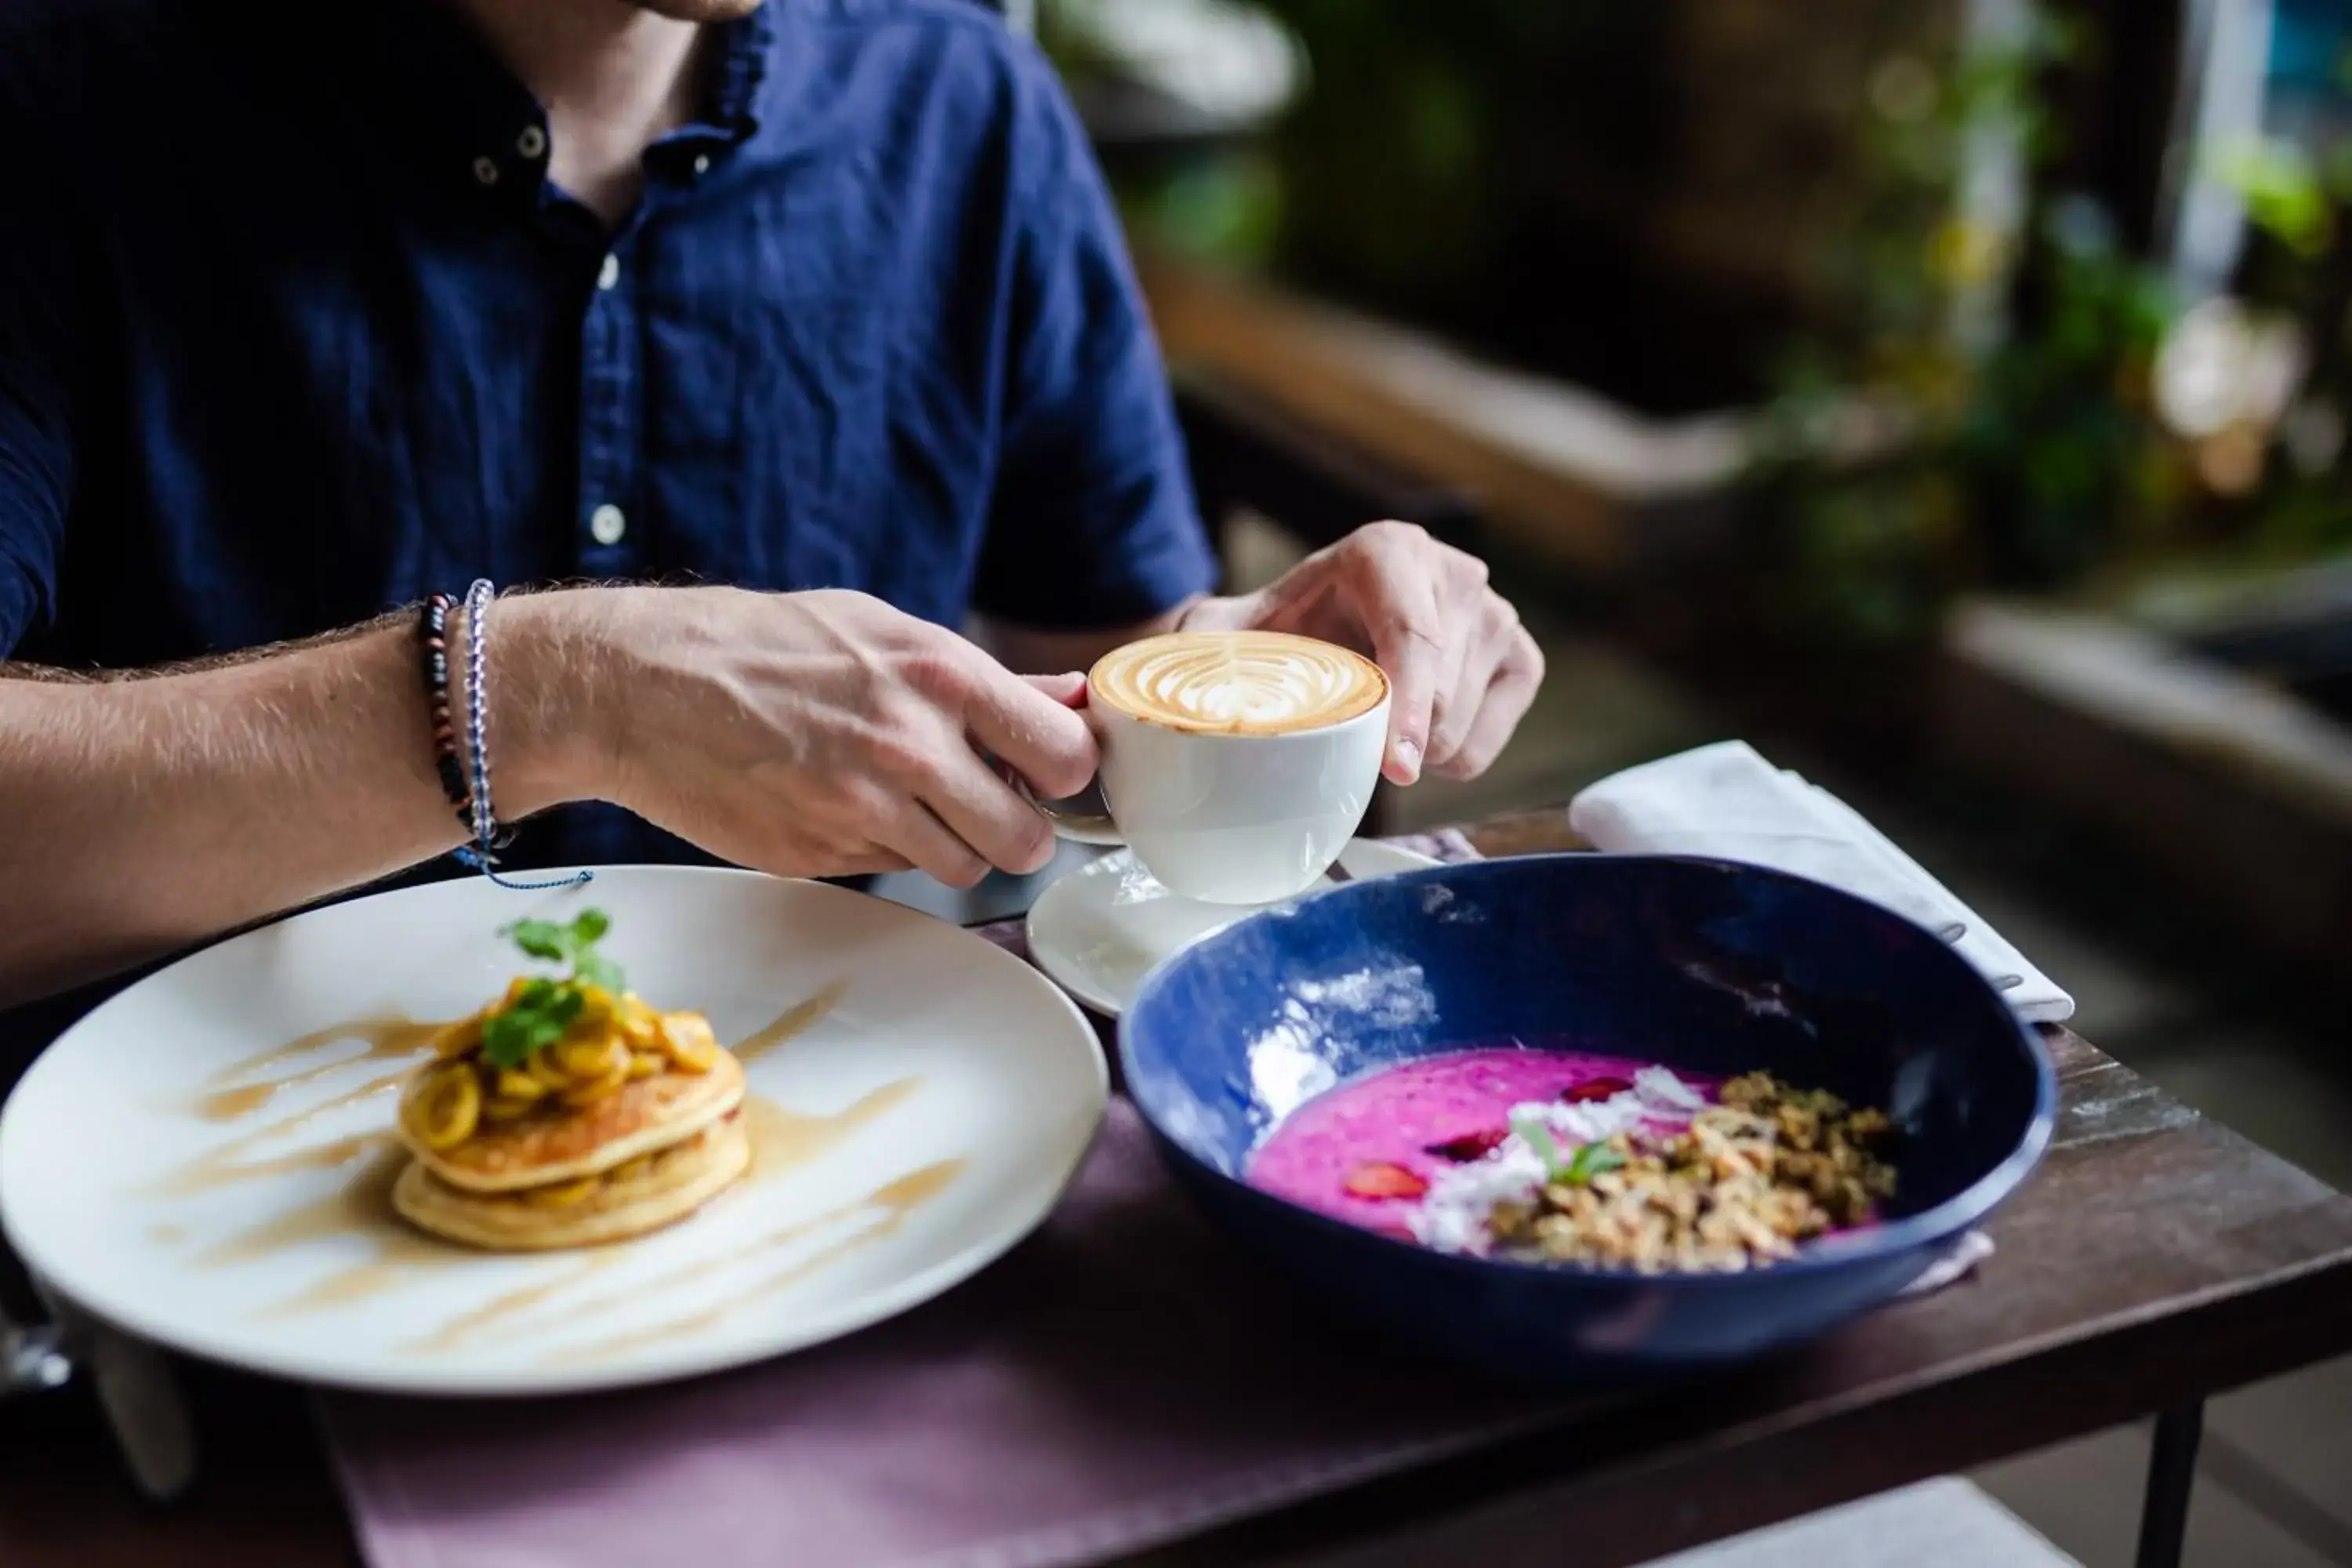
1100, 930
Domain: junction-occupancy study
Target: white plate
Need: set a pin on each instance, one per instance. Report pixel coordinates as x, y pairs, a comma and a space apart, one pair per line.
931, 1097
1100, 930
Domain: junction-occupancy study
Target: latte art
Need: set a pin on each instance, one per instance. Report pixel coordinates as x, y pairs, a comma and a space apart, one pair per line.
1241, 683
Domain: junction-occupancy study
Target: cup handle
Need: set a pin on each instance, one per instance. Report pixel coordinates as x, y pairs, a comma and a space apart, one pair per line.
1082, 818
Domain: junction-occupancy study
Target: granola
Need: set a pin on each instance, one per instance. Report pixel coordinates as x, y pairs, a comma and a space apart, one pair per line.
1741, 1184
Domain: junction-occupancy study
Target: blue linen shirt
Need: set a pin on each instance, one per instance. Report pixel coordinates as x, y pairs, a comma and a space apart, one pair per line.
295, 328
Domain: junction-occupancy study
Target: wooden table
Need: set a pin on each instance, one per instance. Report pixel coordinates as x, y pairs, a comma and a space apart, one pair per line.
2155, 1259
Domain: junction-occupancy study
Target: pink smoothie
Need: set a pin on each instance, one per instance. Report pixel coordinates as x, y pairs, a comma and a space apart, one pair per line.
1420, 1116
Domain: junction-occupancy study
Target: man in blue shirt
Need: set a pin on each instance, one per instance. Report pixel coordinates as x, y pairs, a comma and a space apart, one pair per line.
309, 310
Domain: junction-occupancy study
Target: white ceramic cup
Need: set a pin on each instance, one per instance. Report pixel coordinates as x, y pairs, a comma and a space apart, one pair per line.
1229, 819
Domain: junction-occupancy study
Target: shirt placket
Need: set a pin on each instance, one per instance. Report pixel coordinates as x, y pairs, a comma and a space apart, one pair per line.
610, 419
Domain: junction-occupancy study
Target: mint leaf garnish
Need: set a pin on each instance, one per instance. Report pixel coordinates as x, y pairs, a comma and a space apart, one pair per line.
543, 939
597, 969
1590, 1160
544, 1007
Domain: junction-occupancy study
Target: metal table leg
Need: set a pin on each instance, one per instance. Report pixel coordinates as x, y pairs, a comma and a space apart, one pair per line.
2171, 1470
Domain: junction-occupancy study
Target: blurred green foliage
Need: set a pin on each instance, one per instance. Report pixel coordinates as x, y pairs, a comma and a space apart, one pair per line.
2035, 455
2299, 202
2007, 456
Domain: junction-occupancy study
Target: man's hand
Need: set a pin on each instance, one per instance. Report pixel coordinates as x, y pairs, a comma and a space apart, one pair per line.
819, 733
1461, 668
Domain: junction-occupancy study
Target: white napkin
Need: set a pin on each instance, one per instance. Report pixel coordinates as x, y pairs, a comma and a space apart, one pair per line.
1728, 801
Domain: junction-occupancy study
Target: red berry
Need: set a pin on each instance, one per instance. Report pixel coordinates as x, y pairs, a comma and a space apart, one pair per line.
1470, 1145
1382, 1180
1595, 1088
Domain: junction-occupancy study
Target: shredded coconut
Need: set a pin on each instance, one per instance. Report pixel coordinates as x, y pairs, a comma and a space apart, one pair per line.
1451, 1217
1661, 1091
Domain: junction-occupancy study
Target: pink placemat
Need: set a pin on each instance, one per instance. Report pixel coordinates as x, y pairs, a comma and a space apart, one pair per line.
1122, 1379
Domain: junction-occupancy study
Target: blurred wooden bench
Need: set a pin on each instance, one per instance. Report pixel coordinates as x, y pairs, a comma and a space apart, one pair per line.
1553, 472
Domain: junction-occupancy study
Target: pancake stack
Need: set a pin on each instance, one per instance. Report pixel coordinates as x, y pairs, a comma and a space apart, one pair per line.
617, 1121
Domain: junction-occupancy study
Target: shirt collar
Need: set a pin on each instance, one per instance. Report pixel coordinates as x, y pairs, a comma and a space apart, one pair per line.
472, 113
743, 48
445, 94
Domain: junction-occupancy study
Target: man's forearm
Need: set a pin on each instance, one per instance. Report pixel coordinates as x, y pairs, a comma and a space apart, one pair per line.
139, 815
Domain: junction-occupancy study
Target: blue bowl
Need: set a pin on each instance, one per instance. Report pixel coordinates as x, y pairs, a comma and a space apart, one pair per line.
1703, 966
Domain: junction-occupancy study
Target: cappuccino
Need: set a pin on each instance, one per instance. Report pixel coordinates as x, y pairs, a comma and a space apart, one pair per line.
1238, 683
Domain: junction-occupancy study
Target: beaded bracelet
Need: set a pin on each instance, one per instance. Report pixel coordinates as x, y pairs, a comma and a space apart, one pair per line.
488, 837
475, 808
433, 638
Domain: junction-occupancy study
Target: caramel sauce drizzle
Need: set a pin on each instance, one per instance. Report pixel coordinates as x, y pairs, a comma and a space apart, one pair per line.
897, 1200
794, 1020
352, 1209
361, 1208
241, 1160
384, 1038
465, 1327
783, 1138
229, 1162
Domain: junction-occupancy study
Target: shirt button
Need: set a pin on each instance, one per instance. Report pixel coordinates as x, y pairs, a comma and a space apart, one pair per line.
702, 162
610, 273
532, 143
486, 171
606, 524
